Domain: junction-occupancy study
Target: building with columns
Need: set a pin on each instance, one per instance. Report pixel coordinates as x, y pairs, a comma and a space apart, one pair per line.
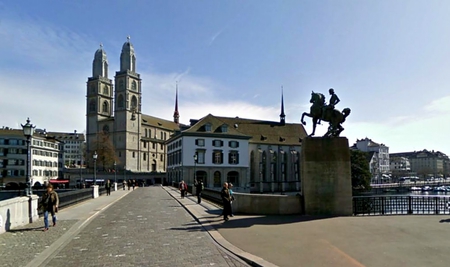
114, 116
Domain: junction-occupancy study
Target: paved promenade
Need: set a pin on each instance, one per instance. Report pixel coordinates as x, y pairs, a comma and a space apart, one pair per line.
145, 227
152, 226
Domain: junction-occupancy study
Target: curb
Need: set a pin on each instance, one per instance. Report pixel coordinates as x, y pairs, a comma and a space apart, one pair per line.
250, 259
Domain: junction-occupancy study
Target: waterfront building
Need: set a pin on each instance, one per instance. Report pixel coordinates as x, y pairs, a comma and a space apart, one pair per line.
378, 160
254, 155
46, 158
427, 164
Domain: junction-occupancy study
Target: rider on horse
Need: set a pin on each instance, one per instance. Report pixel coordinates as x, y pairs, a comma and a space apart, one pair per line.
330, 107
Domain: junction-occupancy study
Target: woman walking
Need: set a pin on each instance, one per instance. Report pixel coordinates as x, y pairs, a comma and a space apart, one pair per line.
226, 198
49, 203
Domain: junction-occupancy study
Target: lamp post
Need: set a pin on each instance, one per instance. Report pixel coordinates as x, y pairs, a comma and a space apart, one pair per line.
125, 173
195, 166
115, 170
28, 130
95, 167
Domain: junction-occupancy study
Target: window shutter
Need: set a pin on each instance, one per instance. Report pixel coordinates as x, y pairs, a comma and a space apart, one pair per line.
237, 144
221, 143
196, 142
213, 158
221, 157
237, 158
229, 158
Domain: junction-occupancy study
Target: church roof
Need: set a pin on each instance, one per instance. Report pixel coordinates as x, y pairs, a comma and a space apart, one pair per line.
160, 123
258, 131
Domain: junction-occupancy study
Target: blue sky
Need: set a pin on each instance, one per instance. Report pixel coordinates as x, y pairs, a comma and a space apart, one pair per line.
388, 61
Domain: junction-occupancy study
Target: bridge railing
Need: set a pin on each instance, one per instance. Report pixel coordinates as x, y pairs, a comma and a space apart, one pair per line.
397, 205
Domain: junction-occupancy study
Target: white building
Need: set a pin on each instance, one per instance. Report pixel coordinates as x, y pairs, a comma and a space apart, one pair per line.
379, 161
45, 157
254, 155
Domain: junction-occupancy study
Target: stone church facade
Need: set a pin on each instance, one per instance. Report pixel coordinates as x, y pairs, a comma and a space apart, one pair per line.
114, 109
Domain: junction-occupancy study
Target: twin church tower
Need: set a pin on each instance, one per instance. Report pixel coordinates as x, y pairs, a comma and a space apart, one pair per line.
114, 112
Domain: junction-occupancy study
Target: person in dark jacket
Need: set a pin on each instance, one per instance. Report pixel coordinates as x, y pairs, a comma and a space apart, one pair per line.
108, 187
198, 190
183, 188
49, 203
226, 198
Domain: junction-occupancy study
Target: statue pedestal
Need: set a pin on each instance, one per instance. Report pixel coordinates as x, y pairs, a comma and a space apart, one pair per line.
95, 192
326, 176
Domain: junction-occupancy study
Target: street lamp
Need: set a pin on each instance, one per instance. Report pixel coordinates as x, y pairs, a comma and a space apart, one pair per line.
125, 173
28, 130
195, 165
115, 170
95, 167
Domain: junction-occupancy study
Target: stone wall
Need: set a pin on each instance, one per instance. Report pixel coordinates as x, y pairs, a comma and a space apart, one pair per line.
16, 211
266, 204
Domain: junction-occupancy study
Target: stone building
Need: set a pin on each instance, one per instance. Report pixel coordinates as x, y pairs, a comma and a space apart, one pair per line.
114, 110
427, 163
379, 159
254, 155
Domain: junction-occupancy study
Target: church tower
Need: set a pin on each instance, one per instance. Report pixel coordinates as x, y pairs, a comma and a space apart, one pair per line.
176, 114
282, 116
99, 99
127, 118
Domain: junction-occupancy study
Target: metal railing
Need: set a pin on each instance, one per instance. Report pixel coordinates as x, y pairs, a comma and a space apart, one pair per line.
400, 205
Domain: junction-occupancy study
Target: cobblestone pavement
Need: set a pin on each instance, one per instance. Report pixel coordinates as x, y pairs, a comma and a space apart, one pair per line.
145, 228
21, 244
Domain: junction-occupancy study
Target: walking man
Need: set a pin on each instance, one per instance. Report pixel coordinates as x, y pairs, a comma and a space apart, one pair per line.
226, 198
198, 190
108, 187
49, 203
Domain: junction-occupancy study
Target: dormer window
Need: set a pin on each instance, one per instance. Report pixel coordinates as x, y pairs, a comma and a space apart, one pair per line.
224, 128
208, 127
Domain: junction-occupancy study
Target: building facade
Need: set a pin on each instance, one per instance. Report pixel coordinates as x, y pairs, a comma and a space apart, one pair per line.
116, 129
427, 163
379, 159
45, 158
254, 155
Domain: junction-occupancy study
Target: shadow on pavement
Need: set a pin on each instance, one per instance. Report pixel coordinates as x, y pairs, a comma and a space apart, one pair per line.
40, 228
445, 221
198, 228
243, 222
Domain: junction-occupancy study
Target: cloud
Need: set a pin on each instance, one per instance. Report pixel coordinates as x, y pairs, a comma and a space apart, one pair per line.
439, 105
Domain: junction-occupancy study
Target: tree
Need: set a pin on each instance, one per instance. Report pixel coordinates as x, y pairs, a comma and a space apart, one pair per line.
361, 175
106, 155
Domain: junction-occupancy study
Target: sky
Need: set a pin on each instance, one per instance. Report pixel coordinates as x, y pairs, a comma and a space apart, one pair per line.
388, 61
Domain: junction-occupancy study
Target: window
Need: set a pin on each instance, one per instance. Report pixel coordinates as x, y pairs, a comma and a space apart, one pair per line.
217, 156
133, 86
105, 90
133, 102
200, 156
154, 145
93, 89
145, 156
12, 151
217, 180
208, 127
133, 154
105, 107
121, 85
217, 143
200, 142
224, 128
233, 157
92, 106
106, 129
120, 102
233, 144
145, 144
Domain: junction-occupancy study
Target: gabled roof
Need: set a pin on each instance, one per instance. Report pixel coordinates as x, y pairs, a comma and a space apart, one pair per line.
160, 123
259, 131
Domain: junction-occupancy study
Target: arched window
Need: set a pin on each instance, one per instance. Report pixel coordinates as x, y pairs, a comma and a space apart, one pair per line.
121, 85
105, 90
105, 107
133, 86
133, 102
217, 181
92, 106
120, 103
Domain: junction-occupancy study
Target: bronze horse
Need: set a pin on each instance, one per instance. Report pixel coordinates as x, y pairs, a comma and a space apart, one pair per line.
325, 113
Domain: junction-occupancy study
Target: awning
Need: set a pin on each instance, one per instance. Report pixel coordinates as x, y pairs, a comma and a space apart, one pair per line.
57, 181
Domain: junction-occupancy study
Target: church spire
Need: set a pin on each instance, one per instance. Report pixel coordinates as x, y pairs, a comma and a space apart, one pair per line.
176, 114
282, 116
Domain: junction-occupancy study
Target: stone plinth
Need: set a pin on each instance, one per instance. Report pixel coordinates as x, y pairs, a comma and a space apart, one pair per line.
95, 192
326, 176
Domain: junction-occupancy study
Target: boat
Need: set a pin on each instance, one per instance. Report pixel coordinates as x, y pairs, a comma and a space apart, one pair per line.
427, 188
415, 188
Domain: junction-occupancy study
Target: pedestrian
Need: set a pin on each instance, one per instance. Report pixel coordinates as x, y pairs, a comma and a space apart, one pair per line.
108, 187
129, 184
124, 184
198, 190
230, 188
133, 183
49, 203
226, 199
183, 188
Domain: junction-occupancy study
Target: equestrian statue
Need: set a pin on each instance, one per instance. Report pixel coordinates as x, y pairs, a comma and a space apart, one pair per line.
321, 112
